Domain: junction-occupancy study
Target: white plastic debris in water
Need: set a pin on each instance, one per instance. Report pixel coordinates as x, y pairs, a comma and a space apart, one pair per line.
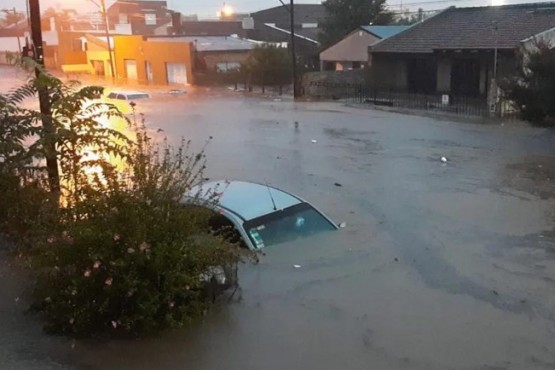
444, 160
314, 141
343, 225
297, 266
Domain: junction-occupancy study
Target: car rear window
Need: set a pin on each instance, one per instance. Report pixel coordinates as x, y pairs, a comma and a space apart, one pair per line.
137, 96
298, 221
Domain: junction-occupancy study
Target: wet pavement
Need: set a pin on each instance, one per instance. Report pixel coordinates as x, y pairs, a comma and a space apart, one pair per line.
441, 266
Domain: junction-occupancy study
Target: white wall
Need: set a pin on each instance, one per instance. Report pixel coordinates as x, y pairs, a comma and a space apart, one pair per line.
10, 43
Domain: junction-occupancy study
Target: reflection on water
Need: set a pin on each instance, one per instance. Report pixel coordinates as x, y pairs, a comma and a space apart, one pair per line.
94, 140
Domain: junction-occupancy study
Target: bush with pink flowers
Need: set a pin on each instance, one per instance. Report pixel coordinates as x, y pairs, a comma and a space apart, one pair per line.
113, 250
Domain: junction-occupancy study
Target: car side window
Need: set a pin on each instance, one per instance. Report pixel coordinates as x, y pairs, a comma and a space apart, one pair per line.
223, 227
112, 96
121, 97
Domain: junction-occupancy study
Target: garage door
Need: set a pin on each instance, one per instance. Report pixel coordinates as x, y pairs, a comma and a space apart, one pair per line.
131, 69
177, 73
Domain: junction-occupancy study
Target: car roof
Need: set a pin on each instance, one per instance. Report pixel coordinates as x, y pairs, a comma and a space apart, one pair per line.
247, 200
127, 92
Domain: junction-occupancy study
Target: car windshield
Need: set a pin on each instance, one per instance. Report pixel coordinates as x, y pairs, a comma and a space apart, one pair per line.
292, 223
137, 96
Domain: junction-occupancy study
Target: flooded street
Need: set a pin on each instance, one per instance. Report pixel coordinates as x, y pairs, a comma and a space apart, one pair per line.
441, 265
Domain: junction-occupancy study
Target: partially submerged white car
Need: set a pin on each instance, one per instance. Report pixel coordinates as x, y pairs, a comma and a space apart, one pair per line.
261, 215
127, 95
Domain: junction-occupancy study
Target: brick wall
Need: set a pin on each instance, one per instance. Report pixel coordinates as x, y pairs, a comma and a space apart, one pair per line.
332, 84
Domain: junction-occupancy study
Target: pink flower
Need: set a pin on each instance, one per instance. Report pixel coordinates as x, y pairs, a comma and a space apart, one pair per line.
96, 265
67, 238
51, 239
116, 237
171, 304
108, 281
114, 324
87, 273
144, 246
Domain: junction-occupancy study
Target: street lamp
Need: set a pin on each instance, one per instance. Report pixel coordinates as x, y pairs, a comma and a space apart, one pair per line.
104, 13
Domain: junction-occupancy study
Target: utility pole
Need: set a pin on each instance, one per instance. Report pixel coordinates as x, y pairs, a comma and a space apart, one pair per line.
18, 42
293, 51
107, 31
44, 100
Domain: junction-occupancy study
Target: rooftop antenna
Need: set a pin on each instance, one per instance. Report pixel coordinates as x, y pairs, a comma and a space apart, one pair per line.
271, 196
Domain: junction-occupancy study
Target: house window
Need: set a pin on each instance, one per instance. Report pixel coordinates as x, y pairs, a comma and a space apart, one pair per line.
150, 19
310, 25
225, 67
123, 19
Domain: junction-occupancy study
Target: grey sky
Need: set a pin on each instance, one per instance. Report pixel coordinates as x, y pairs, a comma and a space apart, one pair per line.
209, 8
202, 7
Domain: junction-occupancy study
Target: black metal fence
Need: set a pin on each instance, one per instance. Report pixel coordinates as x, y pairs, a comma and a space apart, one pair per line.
462, 105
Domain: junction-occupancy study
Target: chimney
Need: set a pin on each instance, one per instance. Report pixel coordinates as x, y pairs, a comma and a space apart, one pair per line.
176, 20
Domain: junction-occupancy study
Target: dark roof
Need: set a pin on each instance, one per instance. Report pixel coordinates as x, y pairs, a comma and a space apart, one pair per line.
384, 32
309, 33
304, 13
211, 28
16, 29
271, 33
473, 28
125, 6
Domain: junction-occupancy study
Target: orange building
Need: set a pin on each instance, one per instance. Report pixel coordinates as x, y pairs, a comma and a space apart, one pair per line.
159, 63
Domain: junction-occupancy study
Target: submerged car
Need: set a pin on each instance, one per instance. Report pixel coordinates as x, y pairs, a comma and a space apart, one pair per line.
128, 95
261, 215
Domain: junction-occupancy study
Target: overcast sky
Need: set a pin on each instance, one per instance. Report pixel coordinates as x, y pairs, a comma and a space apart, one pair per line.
201, 7
209, 8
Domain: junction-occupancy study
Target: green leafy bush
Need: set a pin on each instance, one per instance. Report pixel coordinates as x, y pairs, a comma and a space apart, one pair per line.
117, 252
127, 256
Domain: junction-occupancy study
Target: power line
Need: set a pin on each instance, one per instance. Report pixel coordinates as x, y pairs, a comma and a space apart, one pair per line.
416, 12
428, 2
456, 1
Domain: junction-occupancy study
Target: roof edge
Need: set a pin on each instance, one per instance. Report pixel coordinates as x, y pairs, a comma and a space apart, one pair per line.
408, 29
289, 32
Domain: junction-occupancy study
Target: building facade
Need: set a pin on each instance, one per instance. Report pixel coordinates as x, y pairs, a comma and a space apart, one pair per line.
460, 51
160, 62
351, 52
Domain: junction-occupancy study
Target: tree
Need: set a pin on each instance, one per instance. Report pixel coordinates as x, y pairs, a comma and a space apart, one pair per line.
533, 89
11, 17
408, 18
269, 65
343, 16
